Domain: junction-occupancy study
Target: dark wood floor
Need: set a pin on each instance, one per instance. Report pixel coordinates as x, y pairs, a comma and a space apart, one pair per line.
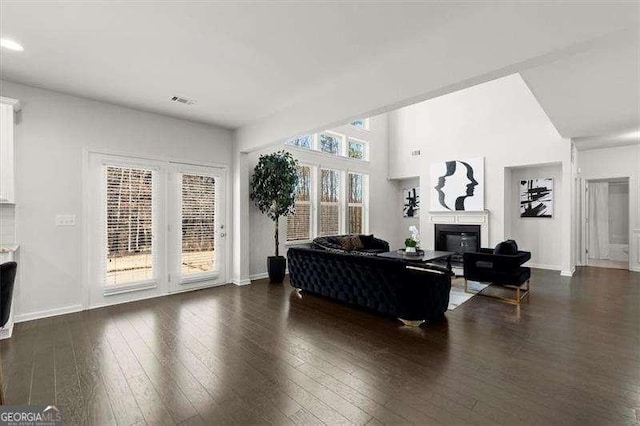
259, 354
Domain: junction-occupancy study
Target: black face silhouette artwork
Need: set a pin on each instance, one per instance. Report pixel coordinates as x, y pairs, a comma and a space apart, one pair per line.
455, 196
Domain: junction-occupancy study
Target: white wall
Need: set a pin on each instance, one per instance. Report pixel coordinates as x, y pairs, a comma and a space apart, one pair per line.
7, 224
51, 132
500, 121
383, 210
532, 233
617, 162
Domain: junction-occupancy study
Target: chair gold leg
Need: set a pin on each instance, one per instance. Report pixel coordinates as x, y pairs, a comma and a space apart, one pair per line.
521, 294
412, 323
466, 287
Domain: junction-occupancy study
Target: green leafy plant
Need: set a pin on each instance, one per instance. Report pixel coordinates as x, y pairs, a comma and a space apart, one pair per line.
273, 186
410, 242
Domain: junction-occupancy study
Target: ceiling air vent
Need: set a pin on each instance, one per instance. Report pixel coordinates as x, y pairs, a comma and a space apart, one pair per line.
183, 100
415, 153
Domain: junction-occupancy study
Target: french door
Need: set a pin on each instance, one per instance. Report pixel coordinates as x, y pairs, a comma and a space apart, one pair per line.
197, 227
153, 227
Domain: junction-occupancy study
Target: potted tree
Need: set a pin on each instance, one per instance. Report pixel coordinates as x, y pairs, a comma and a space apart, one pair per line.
273, 187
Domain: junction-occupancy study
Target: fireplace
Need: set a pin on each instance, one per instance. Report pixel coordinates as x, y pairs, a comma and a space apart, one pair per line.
457, 238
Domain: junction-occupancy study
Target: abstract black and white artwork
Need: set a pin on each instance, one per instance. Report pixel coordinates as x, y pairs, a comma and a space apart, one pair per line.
411, 202
458, 185
536, 197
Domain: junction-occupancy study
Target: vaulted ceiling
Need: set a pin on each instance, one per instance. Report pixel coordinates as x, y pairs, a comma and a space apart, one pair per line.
593, 92
273, 69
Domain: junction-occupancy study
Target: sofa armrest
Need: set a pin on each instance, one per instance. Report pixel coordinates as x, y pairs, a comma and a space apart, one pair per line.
423, 292
430, 267
380, 244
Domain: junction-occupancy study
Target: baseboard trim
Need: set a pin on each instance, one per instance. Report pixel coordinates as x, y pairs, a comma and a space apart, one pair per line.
544, 266
259, 276
264, 275
6, 332
568, 273
48, 313
241, 281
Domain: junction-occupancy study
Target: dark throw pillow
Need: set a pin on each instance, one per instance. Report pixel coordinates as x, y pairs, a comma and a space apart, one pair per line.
508, 247
356, 242
367, 240
346, 243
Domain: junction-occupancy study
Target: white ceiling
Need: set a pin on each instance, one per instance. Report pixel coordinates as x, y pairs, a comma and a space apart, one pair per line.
593, 92
241, 62
277, 68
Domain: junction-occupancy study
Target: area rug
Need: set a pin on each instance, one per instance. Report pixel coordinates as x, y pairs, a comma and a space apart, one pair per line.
458, 296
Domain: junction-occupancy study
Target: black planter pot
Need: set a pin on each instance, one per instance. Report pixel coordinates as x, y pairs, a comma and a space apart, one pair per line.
276, 266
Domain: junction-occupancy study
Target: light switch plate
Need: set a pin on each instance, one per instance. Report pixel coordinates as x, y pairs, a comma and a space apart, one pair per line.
66, 220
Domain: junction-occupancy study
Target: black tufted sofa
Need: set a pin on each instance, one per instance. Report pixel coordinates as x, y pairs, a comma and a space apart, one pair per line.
371, 245
391, 287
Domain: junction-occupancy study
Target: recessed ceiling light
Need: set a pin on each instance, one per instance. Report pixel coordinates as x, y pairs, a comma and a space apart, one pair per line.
10, 44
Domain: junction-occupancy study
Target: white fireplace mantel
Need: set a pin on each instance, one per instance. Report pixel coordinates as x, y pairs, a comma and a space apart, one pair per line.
464, 218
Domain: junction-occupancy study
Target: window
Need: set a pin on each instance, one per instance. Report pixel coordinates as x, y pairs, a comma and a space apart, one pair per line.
198, 224
360, 123
356, 149
304, 141
329, 202
330, 143
356, 204
129, 212
299, 223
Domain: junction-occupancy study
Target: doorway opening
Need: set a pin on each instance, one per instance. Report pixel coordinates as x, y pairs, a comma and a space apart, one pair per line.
607, 223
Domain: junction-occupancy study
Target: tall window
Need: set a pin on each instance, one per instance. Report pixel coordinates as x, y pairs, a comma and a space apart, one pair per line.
299, 223
198, 224
329, 202
356, 149
129, 225
356, 204
330, 143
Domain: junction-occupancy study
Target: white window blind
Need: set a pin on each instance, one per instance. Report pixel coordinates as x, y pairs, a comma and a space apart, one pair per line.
198, 224
129, 225
299, 223
356, 206
329, 202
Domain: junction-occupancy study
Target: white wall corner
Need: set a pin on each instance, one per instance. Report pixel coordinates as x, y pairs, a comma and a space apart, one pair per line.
241, 281
240, 219
568, 273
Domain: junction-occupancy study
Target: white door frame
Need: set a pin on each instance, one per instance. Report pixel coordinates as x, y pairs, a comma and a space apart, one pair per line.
584, 240
87, 186
177, 283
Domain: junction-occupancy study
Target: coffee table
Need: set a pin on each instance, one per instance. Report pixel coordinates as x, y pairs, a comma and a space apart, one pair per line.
427, 256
